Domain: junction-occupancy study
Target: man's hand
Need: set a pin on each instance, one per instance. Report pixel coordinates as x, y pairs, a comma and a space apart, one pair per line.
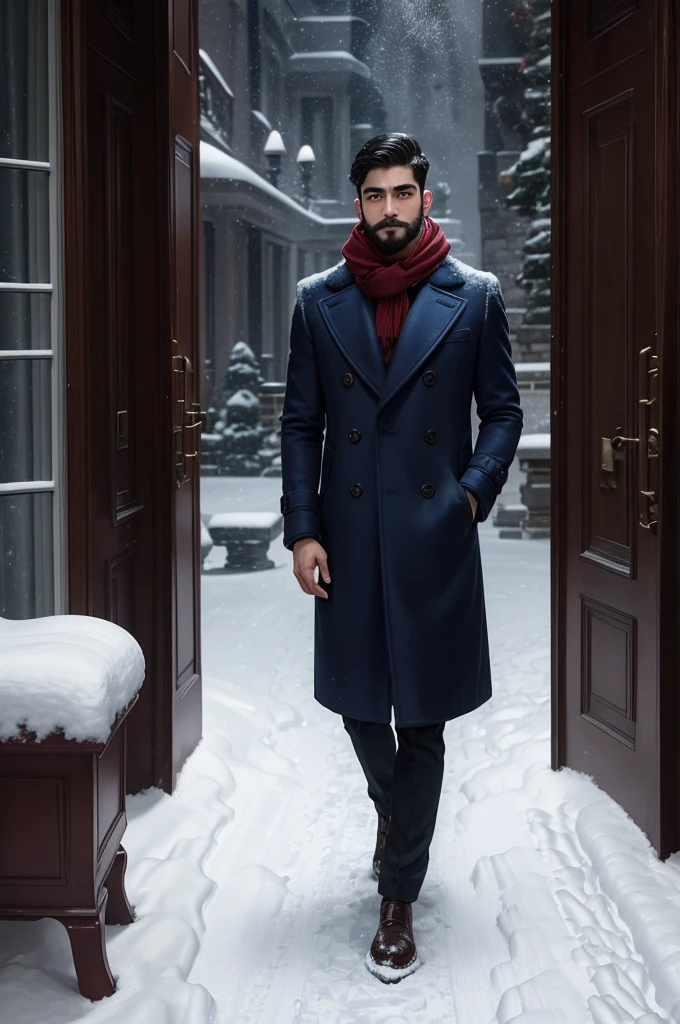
473, 503
307, 554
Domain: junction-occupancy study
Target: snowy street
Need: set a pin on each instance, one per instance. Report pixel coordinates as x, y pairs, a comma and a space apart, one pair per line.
252, 885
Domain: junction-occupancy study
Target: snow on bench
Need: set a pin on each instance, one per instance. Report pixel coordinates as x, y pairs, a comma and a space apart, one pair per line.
536, 446
74, 673
247, 536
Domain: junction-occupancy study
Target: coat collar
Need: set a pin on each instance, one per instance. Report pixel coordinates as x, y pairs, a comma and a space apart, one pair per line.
350, 318
446, 276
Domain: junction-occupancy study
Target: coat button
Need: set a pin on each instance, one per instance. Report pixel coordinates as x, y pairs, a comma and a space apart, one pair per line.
354, 435
429, 378
348, 379
431, 436
427, 490
356, 490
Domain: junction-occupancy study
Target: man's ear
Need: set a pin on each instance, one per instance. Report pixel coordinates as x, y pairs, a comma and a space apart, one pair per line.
427, 201
357, 207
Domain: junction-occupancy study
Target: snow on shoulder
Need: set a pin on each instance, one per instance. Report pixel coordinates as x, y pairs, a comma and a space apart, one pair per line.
74, 673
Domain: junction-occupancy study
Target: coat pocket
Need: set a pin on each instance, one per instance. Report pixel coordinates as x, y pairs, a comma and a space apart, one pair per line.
467, 507
463, 335
326, 471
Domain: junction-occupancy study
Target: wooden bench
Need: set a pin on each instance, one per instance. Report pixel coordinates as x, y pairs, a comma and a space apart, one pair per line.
247, 536
62, 800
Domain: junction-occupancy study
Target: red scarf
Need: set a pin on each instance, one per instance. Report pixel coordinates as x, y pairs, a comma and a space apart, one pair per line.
387, 281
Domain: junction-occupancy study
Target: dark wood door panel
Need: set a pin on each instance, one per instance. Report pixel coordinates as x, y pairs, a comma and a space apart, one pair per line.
184, 256
122, 31
120, 224
609, 370
604, 34
608, 669
607, 313
610, 313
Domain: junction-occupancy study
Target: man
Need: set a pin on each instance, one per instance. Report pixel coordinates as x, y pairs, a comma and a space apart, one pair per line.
387, 350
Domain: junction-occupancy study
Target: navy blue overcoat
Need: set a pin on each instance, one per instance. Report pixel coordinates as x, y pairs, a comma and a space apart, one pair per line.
375, 464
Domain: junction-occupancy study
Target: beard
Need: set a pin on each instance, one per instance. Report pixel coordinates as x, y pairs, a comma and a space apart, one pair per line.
392, 246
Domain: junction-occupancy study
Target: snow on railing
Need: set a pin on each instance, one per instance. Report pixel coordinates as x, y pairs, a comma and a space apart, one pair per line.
216, 101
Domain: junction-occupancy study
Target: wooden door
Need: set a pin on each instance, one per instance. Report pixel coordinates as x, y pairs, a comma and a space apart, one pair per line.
130, 288
611, 498
183, 276
111, 304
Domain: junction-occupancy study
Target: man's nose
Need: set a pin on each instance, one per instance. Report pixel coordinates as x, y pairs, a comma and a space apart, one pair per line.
390, 208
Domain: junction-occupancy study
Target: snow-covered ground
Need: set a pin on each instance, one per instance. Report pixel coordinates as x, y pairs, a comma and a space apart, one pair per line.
252, 884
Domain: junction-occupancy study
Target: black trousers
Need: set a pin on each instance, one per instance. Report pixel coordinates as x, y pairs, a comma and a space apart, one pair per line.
404, 782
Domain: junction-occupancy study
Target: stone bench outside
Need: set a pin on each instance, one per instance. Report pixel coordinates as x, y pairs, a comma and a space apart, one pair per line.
67, 683
247, 536
533, 453
508, 519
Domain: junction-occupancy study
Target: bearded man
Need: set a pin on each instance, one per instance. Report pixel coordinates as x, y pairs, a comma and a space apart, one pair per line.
382, 494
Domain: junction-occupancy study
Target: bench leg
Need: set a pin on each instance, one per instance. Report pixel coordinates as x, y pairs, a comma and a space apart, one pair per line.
118, 910
88, 945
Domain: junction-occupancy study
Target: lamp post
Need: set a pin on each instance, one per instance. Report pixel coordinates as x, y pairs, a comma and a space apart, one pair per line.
306, 161
274, 149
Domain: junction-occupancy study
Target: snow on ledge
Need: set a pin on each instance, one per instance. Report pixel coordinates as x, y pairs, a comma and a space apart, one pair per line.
244, 520
69, 672
534, 441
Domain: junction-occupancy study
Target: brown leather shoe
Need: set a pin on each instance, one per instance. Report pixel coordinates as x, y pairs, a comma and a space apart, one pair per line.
393, 953
381, 839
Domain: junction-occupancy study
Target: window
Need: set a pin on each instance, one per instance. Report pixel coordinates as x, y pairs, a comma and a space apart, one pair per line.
31, 447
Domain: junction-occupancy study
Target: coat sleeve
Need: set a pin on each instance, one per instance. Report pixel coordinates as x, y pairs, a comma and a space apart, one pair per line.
302, 427
498, 408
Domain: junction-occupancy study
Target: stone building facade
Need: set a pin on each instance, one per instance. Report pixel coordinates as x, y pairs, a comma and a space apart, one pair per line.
309, 74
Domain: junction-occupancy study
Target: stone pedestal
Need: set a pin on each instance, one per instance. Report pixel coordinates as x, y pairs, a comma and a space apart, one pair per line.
508, 519
534, 461
247, 536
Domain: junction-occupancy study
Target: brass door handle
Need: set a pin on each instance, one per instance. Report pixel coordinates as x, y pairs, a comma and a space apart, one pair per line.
618, 442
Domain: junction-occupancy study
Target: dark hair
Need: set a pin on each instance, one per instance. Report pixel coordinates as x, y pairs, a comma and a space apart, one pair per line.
393, 149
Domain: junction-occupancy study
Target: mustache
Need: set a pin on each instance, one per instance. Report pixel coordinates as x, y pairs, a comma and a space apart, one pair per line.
390, 223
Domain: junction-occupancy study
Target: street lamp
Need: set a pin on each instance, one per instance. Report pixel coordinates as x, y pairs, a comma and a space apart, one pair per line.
306, 161
274, 149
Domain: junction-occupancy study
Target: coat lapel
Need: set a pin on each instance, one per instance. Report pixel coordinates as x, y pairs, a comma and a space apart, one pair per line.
429, 319
350, 317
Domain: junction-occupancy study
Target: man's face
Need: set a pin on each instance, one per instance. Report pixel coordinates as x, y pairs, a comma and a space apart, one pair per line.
392, 209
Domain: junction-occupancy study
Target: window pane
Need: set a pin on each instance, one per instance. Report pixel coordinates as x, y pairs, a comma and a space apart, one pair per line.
26, 573
23, 80
25, 420
24, 226
25, 320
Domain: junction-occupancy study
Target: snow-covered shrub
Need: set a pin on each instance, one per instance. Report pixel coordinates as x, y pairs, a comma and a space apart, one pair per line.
237, 414
241, 435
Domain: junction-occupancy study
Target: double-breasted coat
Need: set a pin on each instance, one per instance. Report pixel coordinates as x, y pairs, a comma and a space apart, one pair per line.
375, 464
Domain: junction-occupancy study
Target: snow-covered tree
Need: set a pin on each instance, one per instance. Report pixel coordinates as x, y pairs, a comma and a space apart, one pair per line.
237, 410
242, 374
528, 181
